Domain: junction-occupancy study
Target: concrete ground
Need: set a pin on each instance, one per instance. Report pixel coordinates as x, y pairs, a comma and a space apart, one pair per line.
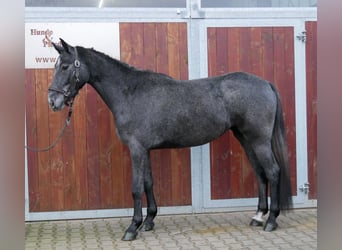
297, 230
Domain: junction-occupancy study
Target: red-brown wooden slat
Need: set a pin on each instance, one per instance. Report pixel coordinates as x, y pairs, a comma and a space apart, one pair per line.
279, 60
286, 88
149, 46
183, 155
220, 161
57, 163
183, 51
177, 184
235, 166
137, 59
311, 86
267, 46
137, 36
156, 169
174, 71
185, 176
244, 49
176, 42
212, 51
165, 182
31, 135
118, 185
246, 173
256, 52
45, 194
173, 50
136, 47
290, 101
62, 160
162, 48
233, 43
125, 42
80, 151
221, 51
160, 159
220, 164
68, 151
256, 67
121, 173
104, 117
149, 57
127, 177
94, 198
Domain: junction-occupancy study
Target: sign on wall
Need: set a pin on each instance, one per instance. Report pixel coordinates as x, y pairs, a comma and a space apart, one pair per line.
39, 52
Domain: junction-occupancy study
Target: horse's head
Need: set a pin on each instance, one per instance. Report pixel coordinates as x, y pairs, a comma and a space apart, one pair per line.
69, 77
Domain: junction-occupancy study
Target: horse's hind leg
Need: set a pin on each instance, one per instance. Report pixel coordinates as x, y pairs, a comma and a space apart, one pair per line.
151, 203
262, 203
265, 157
261, 178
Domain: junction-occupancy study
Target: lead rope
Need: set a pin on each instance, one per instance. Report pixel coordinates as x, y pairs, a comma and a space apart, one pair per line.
67, 122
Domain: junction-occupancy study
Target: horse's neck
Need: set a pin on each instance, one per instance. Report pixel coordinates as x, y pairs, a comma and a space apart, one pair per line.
109, 80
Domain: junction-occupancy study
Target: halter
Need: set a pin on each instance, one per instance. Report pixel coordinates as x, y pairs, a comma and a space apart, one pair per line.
76, 74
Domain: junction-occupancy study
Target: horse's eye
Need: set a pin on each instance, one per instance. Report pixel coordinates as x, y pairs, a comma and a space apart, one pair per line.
65, 67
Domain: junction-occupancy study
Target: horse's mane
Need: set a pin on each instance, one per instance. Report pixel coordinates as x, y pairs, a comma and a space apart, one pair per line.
117, 63
94, 53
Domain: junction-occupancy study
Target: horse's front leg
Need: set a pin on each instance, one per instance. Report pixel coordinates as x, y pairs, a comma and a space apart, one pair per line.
151, 203
139, 159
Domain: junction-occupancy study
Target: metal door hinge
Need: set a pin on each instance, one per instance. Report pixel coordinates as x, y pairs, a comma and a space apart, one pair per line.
302, 36
304, 188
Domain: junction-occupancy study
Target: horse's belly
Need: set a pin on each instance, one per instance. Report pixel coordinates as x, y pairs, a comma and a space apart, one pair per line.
186, 133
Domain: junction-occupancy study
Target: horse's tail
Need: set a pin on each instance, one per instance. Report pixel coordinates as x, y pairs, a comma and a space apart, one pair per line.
280, 151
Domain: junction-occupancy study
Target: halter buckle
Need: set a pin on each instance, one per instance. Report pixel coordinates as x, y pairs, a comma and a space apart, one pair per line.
77, 63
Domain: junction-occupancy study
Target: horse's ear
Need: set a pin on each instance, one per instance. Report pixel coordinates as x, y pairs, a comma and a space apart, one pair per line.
66, 46
59, 49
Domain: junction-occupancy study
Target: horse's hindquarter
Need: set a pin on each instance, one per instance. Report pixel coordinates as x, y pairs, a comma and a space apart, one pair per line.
251, 103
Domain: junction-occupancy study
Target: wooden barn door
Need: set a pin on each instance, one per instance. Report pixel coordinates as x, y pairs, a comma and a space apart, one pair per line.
90, 169
268, 52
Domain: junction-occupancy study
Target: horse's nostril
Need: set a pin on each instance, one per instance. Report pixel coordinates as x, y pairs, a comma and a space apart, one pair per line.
52, 104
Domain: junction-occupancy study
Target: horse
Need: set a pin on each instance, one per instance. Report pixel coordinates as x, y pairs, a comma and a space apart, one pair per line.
154, 111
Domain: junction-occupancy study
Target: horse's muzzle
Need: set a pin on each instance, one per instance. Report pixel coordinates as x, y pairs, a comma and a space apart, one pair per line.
56, 101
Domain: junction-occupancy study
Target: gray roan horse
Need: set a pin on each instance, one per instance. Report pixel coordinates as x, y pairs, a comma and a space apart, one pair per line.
153, 110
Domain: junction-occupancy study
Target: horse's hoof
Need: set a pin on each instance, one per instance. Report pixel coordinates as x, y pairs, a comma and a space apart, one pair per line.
270, 227
256, 223
129, 236
147, 226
